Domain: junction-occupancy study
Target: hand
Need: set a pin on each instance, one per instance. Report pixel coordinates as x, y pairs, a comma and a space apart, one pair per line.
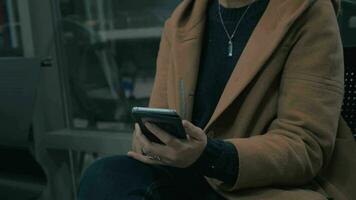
176, 152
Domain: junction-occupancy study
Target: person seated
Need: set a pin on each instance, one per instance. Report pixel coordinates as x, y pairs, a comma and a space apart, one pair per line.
259, 84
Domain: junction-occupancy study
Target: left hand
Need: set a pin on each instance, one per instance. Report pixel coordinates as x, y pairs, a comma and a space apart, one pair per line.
176, 152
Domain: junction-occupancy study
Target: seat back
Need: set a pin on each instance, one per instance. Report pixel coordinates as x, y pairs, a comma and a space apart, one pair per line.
349, 107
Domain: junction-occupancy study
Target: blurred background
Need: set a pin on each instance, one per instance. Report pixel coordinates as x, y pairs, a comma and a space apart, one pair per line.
70, 72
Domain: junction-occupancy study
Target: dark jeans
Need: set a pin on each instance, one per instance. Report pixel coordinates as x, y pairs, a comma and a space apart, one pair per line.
124, 178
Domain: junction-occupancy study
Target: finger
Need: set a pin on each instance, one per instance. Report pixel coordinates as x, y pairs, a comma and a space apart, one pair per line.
151, 147
137, 129
144, 159
134, 139
142, 140
192, 130
162, 135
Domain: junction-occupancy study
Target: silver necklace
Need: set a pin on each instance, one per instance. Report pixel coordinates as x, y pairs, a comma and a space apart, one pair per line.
231, 37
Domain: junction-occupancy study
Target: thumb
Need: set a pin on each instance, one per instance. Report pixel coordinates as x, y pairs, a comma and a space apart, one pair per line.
192, 130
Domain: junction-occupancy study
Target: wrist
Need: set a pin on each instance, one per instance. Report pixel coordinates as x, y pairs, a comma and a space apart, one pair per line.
206, 161
219, 160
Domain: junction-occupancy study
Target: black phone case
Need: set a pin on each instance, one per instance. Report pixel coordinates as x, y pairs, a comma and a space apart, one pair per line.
169, 123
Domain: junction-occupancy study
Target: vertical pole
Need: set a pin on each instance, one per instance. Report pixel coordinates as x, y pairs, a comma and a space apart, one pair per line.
26, 28
14, 43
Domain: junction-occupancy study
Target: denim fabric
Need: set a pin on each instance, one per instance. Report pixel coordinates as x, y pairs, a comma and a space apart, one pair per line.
123, 178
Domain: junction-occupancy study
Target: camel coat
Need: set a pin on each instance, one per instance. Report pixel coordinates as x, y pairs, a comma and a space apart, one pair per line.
281, 105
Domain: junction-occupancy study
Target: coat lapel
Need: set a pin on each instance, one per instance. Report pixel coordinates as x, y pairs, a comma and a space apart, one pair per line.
188, 75
269, 32
187, 50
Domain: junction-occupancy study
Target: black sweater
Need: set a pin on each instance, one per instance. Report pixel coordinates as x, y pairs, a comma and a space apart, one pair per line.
220, 159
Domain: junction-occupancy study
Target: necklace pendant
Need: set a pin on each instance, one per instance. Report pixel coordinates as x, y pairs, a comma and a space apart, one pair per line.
230, 48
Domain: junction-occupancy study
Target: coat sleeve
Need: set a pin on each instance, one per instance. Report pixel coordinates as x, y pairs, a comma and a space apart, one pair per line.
300, 141
158, 98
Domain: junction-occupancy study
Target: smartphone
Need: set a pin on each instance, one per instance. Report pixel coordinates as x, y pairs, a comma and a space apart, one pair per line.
166, 119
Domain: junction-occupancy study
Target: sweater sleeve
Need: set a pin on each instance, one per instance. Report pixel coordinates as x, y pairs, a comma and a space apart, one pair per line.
219, 160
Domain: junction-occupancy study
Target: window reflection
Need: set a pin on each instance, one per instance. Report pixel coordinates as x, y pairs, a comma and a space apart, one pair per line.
347, 21
10, 31
111, 48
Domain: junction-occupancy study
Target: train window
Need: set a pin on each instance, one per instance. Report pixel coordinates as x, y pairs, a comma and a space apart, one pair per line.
15, 29
347, 21
111, 48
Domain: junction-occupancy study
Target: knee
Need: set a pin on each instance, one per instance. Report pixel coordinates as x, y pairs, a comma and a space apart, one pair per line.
104, 173
107, 167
